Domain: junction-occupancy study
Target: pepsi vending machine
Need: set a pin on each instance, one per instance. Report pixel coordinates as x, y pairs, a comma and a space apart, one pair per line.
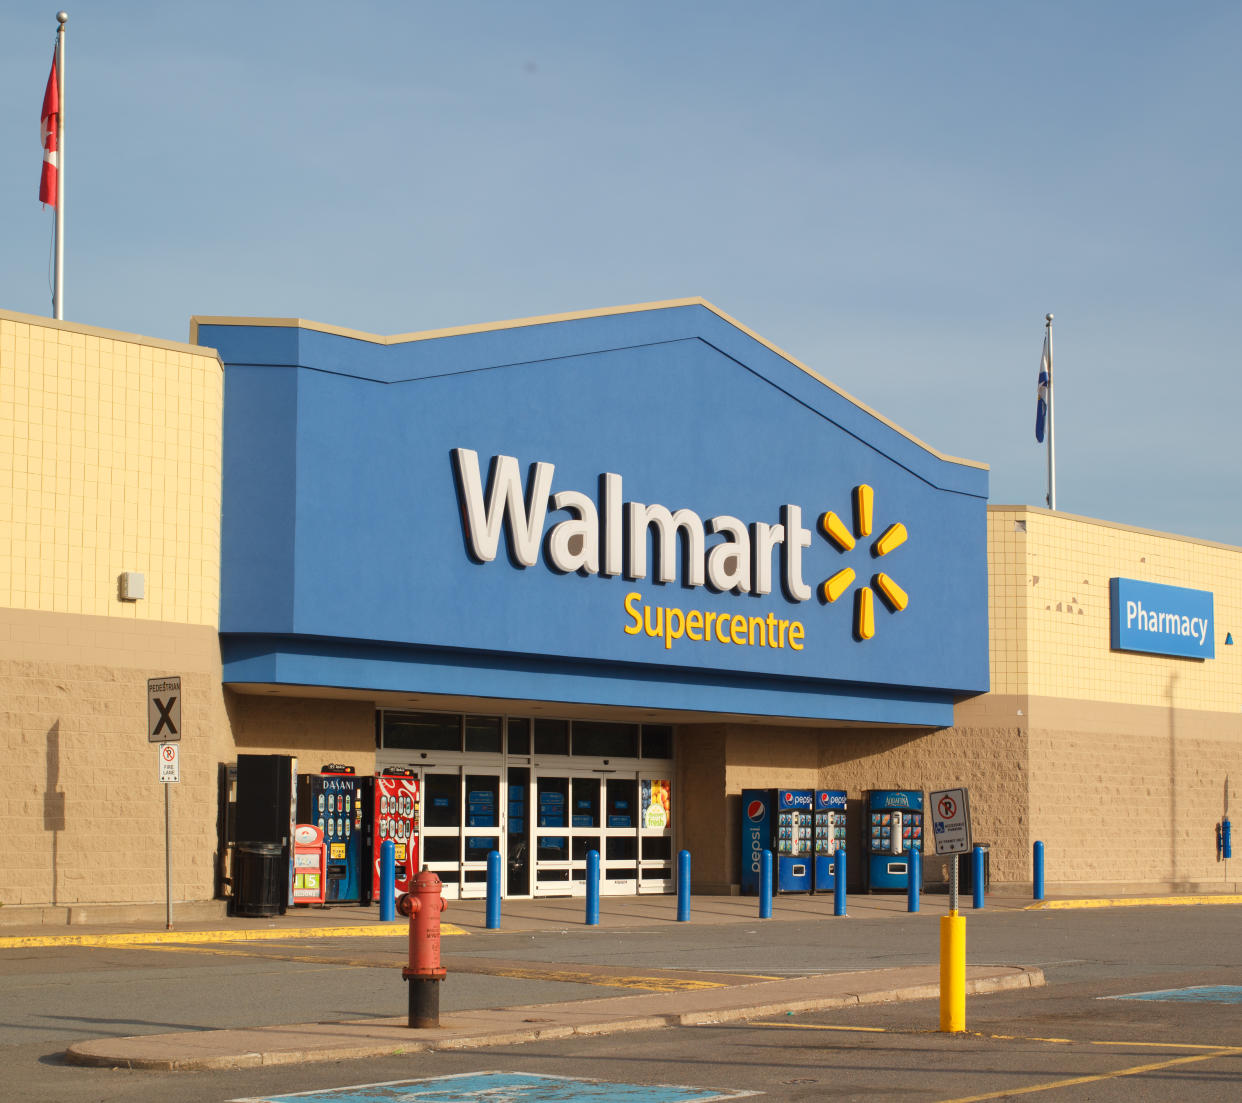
337, 801
395, 816
779, 820
894, 826
829, 836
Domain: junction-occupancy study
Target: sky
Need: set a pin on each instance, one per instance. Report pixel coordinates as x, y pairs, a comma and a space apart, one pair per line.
893, 193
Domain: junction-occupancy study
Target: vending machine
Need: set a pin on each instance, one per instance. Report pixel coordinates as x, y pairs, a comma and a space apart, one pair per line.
395, 816
779, 820
893, 821
829, 836
338, 802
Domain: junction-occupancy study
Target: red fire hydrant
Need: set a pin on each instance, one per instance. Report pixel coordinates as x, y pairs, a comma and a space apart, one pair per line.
423, 904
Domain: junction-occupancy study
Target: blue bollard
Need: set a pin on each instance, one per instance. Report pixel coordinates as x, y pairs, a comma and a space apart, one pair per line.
838, 884
977, 875
914, 878
683, 886
1037, 883
388, 881
765, 885
592, 888
493, 891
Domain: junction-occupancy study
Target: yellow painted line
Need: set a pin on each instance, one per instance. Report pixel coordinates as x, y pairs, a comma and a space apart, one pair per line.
150, 938
1210, 1053
1133, 902
1074, 1081
819, 1026
994, 1037
301, 959
649, 984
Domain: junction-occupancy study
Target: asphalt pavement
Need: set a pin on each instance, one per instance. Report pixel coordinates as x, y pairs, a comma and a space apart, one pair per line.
465, 933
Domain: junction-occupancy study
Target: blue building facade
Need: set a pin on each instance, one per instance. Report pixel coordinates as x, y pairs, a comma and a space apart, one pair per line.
643, 508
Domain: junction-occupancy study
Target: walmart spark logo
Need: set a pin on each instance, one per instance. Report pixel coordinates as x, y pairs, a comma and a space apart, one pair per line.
835, 587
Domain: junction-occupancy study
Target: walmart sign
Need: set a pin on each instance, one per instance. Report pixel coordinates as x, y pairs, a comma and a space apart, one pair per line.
1161, 620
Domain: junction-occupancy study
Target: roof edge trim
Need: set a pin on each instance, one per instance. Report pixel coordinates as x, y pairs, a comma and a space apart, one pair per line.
544, 319
193, 349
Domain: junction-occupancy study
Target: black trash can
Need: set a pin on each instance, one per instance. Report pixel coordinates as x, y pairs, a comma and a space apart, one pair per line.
982, 852
259, 880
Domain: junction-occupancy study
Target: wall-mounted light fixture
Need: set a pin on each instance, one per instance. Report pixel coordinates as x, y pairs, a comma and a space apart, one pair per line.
132, 585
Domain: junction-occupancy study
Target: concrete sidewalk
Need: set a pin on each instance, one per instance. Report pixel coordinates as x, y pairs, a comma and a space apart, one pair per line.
208, 923
463, 917
280, 1045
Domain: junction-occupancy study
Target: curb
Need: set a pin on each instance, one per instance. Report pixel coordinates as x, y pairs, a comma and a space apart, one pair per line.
390, 1037
1132, 902
150, 938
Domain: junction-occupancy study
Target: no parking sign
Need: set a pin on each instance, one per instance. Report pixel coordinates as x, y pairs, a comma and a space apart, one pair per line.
950, 812
170, 763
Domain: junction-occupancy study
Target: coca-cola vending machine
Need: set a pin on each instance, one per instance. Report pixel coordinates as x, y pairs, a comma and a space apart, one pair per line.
396, 817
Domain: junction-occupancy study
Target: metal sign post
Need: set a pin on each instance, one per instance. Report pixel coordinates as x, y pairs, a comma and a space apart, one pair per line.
950, 812
163, 727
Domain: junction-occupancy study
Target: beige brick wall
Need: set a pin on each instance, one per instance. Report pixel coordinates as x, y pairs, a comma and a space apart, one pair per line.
698, 808
109, 462
1049, 610
317, 730
86, 815
1130, 795
1129, 753
981, 754
110, 451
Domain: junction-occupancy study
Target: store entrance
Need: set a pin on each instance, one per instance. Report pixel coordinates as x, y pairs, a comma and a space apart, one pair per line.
601, 811
540, 793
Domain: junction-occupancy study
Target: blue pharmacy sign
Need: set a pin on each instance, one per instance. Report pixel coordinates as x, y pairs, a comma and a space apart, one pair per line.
1161, 620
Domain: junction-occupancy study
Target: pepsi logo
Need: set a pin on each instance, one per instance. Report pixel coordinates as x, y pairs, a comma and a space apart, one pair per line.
789, 798
756, 810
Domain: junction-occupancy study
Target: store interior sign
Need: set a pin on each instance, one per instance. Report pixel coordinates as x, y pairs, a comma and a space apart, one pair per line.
1161, 620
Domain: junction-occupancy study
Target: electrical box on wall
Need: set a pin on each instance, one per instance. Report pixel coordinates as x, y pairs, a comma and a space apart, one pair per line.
133, 585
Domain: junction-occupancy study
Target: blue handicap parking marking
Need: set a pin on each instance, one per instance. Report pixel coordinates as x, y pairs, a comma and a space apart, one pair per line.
1206, 993
504, 1087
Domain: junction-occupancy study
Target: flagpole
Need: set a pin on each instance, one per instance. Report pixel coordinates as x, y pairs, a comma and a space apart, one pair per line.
58, 295
1052, 455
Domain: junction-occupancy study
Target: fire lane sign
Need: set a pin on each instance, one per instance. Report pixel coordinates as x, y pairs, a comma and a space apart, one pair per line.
170, 763
950, 813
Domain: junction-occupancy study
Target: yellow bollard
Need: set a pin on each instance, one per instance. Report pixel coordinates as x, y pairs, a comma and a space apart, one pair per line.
952, 973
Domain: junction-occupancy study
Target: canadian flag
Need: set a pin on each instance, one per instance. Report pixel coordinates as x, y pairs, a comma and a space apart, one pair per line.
51, 125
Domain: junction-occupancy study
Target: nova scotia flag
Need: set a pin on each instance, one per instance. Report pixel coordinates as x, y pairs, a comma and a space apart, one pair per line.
1041, 393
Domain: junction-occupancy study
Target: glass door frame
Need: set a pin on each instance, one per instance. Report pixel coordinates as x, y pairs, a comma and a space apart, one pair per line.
574, 863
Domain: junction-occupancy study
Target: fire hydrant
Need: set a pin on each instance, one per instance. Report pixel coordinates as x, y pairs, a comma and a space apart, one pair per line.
423, 904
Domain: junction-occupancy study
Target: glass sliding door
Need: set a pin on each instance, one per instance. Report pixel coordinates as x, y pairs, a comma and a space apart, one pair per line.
441, 841
483, 827
552, 863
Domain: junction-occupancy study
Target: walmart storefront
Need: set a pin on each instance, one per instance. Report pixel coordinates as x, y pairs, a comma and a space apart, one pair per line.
623, 563
590, 578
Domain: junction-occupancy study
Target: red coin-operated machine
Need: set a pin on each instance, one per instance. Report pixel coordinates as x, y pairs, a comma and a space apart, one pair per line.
396, 817
310, 865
